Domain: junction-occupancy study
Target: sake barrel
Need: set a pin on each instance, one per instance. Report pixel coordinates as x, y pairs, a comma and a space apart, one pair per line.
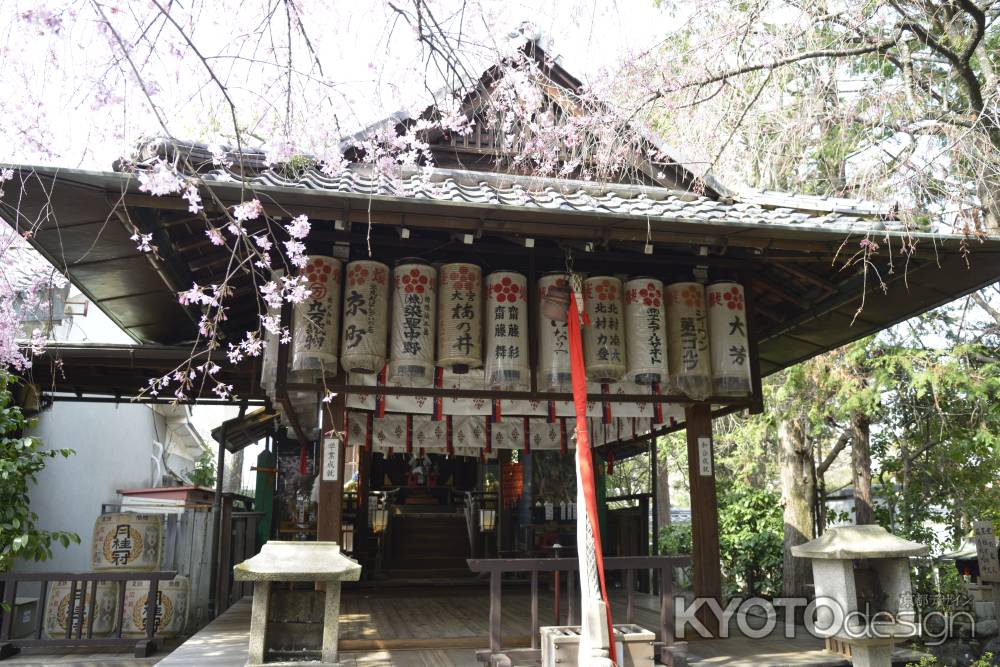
127, 541
171, 608
62, 597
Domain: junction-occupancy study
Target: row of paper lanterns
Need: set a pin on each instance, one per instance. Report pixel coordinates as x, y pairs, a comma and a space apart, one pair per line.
418, 318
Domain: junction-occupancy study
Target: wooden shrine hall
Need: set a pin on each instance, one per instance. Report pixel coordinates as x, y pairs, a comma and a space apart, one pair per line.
448, 412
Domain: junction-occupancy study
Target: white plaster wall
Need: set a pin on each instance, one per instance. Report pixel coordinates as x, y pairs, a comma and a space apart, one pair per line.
113, 447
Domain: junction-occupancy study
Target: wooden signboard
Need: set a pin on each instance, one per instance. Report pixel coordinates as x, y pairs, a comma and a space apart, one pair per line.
986, 551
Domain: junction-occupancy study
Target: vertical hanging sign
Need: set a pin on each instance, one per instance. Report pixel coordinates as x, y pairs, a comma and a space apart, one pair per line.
331, 459
705, 456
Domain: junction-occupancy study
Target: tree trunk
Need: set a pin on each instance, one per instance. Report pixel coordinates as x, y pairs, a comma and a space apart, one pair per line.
798, 494
662, 490
861, 464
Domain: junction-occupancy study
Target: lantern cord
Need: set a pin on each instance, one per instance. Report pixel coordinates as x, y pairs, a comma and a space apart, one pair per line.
588, 527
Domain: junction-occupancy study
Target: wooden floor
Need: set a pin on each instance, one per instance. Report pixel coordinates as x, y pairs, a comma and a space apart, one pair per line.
440, 627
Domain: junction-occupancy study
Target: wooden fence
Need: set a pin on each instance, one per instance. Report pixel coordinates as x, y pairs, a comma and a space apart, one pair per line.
79, 621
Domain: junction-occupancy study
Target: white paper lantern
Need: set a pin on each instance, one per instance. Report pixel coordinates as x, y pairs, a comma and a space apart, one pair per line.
506, 330
553, 340
366, 317
460, 317
317, 319
727, 324
411, 356
269, 363
604, 338
687, 340
646, 327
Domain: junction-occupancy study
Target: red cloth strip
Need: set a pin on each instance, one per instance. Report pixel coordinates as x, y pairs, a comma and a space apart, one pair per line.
409, 434
488, 448
552, 412
605, 406
380, 380
657, 406
438, 400
302, 460
563, 446
449, 443
611, 462
527, 436
497, 412
369, 427
584, 454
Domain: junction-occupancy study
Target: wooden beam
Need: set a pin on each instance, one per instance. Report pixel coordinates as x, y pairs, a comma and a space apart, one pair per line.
704, 512
329, 511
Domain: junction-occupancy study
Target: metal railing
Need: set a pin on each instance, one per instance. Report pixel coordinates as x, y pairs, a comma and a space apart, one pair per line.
497, 567
80, 612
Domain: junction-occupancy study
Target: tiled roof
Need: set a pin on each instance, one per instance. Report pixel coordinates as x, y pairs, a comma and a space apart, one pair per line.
647, 203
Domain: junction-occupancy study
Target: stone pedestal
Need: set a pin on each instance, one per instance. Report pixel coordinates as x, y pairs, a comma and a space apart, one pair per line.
863, 595
295, 562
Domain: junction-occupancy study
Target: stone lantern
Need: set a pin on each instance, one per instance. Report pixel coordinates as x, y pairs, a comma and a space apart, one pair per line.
863, 595
289, 625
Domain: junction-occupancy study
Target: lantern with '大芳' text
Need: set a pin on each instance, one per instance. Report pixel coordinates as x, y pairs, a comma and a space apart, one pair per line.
646, 330
687, 340
460, 317
317, 318
604, 338
727, 324
506, 330
366, 317
411, 356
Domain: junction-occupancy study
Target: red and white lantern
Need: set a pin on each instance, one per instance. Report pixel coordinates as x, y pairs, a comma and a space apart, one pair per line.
411, 355
604, 338
460, 317
727, 324
317, 319
506, 330
687, 340
553, 339
646, 324
366, 317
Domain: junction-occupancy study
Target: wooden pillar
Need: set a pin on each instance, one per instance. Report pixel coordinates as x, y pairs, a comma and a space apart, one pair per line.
704, 511
329, 511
